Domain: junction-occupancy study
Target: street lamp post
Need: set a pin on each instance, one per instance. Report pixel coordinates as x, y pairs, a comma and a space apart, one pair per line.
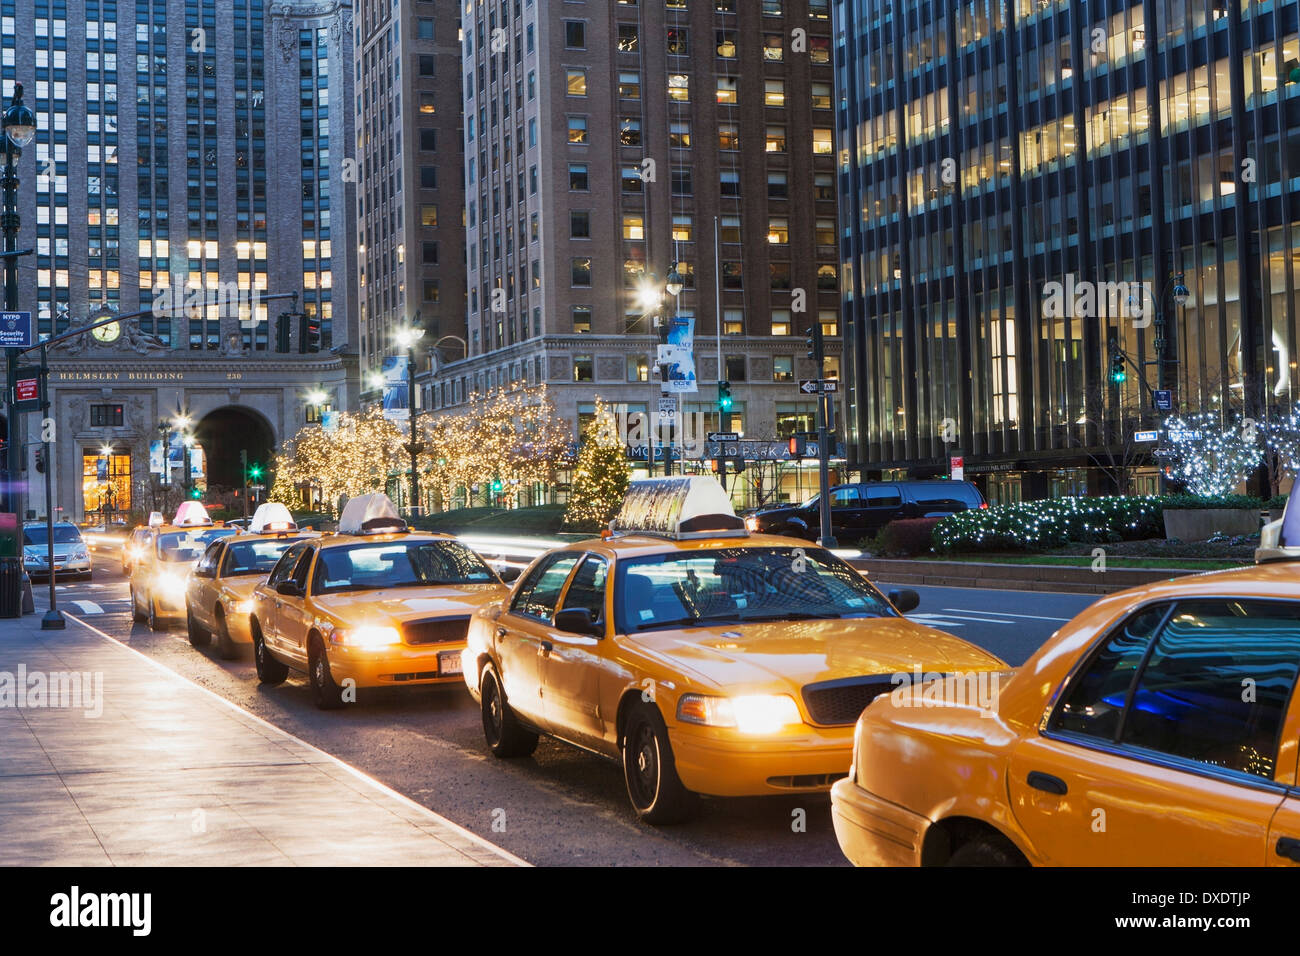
19, 126
407, 338
652, 299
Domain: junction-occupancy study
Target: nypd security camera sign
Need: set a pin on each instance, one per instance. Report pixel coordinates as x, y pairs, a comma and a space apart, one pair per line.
15, 330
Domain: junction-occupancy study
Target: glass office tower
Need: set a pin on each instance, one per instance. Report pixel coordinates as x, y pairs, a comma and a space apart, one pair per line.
1024, 188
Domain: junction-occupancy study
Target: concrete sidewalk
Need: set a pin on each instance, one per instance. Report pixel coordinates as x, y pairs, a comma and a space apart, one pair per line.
167, 773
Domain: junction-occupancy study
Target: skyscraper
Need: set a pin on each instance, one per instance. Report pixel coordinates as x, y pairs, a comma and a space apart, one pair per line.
411, 196
607, 143
188, 163
1059, 217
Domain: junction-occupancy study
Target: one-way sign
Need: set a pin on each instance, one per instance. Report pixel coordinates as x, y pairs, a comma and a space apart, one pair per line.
724, 436
811, 386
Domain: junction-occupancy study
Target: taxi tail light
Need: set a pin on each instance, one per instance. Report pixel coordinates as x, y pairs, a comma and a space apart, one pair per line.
984, 506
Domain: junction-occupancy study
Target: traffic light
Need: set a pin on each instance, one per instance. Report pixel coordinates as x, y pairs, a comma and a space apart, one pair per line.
308, 334
1118, 373
255, 472
816, 347
196, 493
40, 460
725, 401
282, 332
798, 446
497, 486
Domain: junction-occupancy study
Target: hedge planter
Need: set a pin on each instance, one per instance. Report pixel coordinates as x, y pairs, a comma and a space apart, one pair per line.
1188, 524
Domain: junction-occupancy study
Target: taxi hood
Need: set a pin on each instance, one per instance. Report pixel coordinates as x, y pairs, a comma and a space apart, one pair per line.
782, 656
410, 603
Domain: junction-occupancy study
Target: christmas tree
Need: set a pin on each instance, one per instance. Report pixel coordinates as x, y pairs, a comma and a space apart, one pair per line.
600, 477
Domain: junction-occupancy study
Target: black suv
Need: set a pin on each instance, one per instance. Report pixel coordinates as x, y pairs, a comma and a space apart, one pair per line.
860, 510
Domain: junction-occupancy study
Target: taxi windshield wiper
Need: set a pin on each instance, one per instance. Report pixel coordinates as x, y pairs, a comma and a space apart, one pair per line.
795, 616
687, 622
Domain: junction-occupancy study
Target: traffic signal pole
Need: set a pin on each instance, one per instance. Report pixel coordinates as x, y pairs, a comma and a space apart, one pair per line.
817, 352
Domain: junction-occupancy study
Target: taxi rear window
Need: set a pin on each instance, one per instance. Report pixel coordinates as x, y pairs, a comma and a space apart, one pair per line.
390, 564
735, 585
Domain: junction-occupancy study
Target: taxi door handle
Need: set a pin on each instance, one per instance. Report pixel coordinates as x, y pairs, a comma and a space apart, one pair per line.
546, 646
1288, 847
502, 632
1046, 782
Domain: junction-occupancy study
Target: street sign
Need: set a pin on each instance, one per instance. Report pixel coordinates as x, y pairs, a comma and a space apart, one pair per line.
1192, 435
16, 330
1163, 399
724, 436
668, 405
958, 464
27, 389
1146, 436
811, 386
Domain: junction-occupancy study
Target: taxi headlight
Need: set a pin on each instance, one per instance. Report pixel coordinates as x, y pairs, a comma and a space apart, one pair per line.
368, 636
751, 714
171, 585
245, 606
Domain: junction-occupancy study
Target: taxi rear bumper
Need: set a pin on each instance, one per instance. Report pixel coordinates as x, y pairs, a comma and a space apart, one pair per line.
397, 666
874, 832
730, 767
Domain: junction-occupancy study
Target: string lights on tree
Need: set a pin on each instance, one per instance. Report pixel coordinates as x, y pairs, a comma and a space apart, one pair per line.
601, 475
1211, 455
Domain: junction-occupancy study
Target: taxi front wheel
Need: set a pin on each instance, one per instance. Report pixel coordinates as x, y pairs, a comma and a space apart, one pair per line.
327, 694
506, 737
198, 636
650, 771
269, 670
136, 613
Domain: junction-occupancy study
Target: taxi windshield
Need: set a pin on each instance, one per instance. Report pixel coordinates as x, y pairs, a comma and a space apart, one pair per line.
395, 564
735, 585
179, 546
254, 557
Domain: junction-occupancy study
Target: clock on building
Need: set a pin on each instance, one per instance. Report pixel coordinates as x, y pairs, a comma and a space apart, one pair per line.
108, 333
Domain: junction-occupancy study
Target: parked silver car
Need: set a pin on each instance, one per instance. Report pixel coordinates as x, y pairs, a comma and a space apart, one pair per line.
71, 556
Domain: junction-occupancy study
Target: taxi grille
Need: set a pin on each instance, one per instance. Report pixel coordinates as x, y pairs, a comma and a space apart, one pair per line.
438, 630
843, 701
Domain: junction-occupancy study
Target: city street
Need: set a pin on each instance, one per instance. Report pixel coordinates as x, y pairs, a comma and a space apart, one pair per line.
561, 806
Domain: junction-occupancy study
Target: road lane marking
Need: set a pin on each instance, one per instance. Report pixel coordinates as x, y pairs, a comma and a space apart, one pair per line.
359, 774
1032, 617
88, 607
933, 620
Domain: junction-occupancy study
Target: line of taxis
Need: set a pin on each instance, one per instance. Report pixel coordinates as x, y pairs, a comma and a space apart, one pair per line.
1160, 726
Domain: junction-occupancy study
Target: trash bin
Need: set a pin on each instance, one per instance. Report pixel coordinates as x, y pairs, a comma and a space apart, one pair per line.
11, 587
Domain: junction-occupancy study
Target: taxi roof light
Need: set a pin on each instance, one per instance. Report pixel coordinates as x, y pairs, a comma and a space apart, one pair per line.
680, 508
1280, 540
371, 514
271, 517
191, 514
156, 519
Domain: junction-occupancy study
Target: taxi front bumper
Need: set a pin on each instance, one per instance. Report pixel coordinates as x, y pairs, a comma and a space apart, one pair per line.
397, 665
733, 766
875, 832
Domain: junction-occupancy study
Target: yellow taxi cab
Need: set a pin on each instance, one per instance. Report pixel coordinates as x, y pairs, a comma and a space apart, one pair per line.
219, 592
705, 659
163, 560
1158, 728
375, 605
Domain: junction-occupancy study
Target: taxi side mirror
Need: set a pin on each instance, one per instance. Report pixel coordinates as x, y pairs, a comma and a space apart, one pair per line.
904, 600
577, 620
509, 574
288, 589
204, 573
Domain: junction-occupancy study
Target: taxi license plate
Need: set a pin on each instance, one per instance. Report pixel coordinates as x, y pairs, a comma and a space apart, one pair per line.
449, 662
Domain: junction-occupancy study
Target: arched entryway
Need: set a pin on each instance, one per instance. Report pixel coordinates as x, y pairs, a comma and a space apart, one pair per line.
223, 434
